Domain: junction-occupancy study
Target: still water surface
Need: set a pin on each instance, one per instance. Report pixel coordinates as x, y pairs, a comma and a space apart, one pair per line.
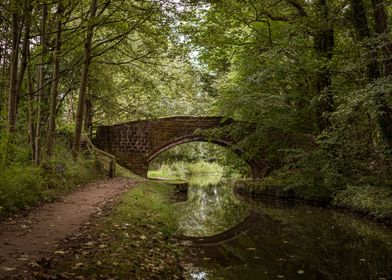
239, 238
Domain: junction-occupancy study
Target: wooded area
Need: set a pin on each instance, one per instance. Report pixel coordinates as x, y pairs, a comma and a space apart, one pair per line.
314, 78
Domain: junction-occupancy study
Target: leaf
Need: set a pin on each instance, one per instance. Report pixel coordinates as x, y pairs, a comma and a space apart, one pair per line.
6, 268
59, 252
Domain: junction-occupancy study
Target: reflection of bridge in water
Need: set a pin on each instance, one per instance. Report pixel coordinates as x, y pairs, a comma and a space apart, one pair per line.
135, 144
230, 234
203, 248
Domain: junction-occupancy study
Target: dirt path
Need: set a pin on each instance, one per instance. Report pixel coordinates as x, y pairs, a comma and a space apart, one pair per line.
27, 239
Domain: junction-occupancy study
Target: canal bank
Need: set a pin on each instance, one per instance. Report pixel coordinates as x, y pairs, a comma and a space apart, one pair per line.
371, 201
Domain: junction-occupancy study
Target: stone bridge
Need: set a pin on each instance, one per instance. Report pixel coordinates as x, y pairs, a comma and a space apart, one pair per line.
135, 144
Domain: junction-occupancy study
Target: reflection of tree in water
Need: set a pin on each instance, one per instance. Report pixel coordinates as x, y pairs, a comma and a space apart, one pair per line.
211, 207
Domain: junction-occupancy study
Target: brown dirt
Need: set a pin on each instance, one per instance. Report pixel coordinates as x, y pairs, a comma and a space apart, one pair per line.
26, 240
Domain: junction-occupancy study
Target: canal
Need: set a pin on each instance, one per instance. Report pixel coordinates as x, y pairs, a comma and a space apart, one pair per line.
228, 236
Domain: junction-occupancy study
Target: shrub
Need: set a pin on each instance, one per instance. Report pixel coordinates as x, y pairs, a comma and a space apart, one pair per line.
20, 188
23, 186
373, 200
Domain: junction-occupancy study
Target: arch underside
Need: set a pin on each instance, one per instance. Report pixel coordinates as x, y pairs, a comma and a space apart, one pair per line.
255, 167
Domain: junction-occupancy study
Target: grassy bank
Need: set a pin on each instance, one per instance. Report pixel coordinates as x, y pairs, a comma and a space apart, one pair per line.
132, 242
367, 199
182, 170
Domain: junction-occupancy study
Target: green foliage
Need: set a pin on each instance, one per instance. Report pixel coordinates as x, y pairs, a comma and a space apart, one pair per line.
264, 67
178, 160
182, 170
20, 188
202, 167
63, 172
373, 200
24, 186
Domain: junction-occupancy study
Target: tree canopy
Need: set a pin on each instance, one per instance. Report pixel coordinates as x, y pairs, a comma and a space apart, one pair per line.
313, 78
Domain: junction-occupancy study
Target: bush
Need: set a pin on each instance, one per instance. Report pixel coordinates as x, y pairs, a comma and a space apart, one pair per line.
23, 186
20, 188
181, 169
373, 200
203, 167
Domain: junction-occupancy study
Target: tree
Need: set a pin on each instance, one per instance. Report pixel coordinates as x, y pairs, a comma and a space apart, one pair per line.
41, 84
385, 112
84, 76
55, 81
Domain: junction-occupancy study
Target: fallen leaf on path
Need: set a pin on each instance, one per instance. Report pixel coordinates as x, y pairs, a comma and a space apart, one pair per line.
78, 265
6, 268
60, 252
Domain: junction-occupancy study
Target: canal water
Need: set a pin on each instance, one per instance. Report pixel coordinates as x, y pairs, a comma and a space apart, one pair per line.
232, 237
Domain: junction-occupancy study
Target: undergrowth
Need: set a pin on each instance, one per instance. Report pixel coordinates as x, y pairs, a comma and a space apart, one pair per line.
182, 170
23, 185
370, 199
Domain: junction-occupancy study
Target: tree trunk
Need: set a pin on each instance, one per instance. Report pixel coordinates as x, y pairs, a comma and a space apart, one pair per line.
41, 80
324, 45
55, 82
31, 113
25, 51
13, 93
84, 78
384, 111
4, 59
362, 29
88, 120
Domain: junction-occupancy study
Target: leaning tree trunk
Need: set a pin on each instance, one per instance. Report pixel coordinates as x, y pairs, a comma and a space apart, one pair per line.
55, 82
84, 78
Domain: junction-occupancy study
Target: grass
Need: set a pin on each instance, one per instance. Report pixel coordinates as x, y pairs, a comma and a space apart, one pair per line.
182, 170
134, 242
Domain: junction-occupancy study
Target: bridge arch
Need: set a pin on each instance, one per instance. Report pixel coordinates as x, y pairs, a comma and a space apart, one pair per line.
135, 144
254, 166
